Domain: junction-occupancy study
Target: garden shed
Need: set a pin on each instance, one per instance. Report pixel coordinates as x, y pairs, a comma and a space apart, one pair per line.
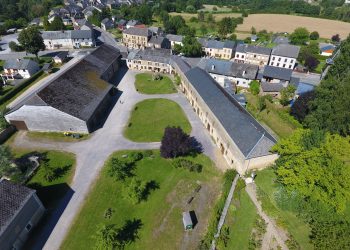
187, 221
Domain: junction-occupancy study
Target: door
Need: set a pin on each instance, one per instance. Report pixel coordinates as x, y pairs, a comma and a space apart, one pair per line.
20, 125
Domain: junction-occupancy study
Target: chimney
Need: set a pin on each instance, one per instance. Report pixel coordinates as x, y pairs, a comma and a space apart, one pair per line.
18, 59
212, 67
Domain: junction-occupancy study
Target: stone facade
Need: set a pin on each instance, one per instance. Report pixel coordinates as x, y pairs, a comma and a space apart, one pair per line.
220, 53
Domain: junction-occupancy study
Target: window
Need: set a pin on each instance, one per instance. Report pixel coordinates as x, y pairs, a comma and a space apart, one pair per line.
254, 56
28, 227
272, 64
279, 59
273, 58
290, 66
291, 61
284, 65
242, 56
278, 64
285, 60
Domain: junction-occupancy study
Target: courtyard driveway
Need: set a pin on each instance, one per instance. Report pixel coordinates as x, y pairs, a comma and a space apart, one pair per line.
92, 153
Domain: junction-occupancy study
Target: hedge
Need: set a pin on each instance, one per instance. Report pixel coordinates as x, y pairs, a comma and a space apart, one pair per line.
20, 87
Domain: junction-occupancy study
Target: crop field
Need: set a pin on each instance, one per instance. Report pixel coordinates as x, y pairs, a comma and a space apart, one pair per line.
217, 16
287, 23
209, 7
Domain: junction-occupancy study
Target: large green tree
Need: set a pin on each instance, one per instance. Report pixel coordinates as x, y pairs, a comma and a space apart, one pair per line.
316, 165
300, 36
57, 24
31, 40
5, 160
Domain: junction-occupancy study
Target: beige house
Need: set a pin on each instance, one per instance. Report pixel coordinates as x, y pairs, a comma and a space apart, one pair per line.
136, 38
150, 59
252, 54
218, 49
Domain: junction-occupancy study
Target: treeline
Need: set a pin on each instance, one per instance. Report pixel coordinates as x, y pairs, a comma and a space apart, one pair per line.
314, 165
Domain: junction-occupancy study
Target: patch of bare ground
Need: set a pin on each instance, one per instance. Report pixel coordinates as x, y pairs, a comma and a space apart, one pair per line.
202, 203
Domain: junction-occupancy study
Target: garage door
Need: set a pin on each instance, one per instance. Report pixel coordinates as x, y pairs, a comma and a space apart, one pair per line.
20, 125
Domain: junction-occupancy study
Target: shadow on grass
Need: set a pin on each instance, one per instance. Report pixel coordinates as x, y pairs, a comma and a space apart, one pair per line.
194, 218
129, 232
150, 186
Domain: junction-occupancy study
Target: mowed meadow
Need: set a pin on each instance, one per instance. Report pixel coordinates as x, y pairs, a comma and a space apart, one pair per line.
288, 23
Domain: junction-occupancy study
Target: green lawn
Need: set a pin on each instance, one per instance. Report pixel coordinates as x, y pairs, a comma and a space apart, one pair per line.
150, 117
274, 116
265, 181
160, 215
55, 136
145, 84
240, 219
51, 192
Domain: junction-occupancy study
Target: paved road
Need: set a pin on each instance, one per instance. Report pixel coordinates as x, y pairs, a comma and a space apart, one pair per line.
4, 42
108, 38
43, 83
310, 78
92, 153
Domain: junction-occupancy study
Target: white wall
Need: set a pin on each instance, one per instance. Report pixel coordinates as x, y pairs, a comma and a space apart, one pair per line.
282, 62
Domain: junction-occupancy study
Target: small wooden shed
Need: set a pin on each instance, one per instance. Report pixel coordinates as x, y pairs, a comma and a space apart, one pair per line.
187, 221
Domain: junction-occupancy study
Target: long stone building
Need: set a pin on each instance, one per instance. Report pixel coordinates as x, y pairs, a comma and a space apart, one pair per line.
243, 142
76, 100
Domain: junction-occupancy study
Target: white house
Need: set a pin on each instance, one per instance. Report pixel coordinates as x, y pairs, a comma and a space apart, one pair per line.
175, 39
19, 68
237, 73
252, 54
68, 39
284, 56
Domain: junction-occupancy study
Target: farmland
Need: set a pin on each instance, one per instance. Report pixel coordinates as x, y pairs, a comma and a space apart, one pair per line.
217, 16
287, 23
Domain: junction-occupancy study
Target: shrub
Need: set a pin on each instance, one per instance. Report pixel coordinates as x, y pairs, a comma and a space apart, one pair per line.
135, 156
147, 153
187, 164
254, 87
120, 170
314, 35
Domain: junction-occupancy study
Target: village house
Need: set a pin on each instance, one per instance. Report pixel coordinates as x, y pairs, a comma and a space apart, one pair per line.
274, 79
148, 59
252, 54
218, 49
21, 210
82, 24
121, 24
107, 24
159, 42
136, 38
60, 57
175, 39
132, 23
237, 73
242, 141
326, 49
76, 100
68, 39
284, 56
19, 68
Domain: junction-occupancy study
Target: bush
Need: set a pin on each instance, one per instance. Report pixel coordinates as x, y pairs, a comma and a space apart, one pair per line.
254, 87
187, 164
15, 47
175, 142
314, 35
135, 156
147, 153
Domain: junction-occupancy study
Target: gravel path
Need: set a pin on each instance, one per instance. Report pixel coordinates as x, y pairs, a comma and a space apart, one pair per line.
93, 152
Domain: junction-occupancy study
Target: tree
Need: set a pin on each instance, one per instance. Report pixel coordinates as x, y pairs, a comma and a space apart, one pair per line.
300, 108
46, 23
335, 38
57, 24
5, 160
314, 165
107, 238
191, 47
224, 237
31, 40
261, 103
15, 47
311, 62
253, 30
49, 172
175, 143
226, 26
254, 87
203, 29
314, 35
173, 25
135, 190
201, 16
120, 170
300, 36
310, 50
287, 94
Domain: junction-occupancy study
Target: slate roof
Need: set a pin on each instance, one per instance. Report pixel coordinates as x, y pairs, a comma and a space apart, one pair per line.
246, 48
156, 40
174, 38
180, 63
277, 73
133, 22
303, 88
229, 68
20, 64
271, 87
12, 198
67, 34
213, 44
80, 90
151, 54
281, 40
62, 55
138, 31
249, 136
286, 50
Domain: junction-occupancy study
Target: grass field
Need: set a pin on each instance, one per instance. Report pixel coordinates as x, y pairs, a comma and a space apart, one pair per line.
240, 219
150, 117
265, 181
145, 84
217, 16
209, 8
275, 117
160, 215
288, 23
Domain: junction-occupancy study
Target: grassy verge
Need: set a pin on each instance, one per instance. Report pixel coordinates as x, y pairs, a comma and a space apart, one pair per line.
275, 117
55, 136
150, 117
160, 214
267, 189
240, 219
145, 84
